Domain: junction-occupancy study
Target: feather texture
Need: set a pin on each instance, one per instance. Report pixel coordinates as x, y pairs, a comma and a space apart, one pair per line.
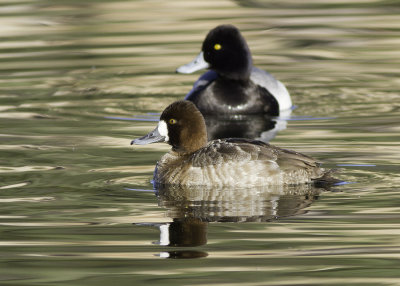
237, 162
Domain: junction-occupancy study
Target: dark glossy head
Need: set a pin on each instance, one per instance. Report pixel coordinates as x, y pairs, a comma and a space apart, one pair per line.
226, 52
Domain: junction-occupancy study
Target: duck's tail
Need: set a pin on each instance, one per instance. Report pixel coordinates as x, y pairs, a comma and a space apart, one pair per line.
327, 180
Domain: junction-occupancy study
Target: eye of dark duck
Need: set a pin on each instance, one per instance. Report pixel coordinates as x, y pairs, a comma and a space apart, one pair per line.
217, 47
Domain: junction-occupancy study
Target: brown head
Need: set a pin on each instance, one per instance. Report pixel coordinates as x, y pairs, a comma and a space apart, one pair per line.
181, 125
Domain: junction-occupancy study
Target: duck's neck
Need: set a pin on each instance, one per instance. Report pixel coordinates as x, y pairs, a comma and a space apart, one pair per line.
191, 145
191, 141
241, 72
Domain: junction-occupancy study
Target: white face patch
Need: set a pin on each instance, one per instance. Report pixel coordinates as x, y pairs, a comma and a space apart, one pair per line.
163, 129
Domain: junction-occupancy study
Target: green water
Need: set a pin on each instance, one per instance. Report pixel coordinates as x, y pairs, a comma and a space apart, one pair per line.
76, 201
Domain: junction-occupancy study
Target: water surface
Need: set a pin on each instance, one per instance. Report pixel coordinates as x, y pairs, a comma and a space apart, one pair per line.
77, 203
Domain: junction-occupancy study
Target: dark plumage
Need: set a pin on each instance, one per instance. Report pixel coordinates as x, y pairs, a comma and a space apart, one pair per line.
233, 85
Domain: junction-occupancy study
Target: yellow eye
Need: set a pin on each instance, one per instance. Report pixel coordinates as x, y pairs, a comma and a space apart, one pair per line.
172, 121
217, 47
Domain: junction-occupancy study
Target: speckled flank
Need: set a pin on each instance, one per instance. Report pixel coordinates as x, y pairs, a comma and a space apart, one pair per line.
239, 164
235, 174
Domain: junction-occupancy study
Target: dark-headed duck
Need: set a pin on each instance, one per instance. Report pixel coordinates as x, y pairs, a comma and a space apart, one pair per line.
233, 85
222, 162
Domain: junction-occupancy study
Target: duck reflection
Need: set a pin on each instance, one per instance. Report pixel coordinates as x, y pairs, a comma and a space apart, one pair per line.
259, 126
184, 231
236, 205
192, 208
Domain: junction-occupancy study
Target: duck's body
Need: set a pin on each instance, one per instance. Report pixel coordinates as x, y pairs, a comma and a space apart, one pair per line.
237, 163
233, 85
226, 162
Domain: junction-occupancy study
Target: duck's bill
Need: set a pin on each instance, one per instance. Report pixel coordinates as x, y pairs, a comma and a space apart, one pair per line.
197, 64
153, 137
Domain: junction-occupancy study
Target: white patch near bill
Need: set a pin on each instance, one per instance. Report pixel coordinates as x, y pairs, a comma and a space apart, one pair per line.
163, 129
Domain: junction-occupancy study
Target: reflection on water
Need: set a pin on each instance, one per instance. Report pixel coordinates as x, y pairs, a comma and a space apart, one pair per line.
260, 127
65, 169
192, 208
184, 231
182, 254
236, 205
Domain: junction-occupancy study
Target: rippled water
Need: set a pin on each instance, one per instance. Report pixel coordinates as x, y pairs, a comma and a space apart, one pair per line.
79, 80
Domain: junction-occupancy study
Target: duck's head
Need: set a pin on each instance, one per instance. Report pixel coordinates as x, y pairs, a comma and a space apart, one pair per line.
225, 51
181, 125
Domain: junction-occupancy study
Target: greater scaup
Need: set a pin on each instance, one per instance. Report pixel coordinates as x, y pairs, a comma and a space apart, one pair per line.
222, 162
233, 85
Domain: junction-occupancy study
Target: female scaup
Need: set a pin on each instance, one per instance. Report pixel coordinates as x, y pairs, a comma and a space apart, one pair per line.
233, 85
222, 162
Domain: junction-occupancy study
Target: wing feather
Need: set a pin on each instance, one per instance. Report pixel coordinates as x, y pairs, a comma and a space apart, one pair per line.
245, 150
228, 150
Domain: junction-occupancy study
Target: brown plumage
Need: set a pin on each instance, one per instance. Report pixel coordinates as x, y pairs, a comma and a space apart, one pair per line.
223, 162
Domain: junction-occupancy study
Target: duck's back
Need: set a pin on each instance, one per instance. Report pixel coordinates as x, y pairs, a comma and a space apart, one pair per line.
237, 162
